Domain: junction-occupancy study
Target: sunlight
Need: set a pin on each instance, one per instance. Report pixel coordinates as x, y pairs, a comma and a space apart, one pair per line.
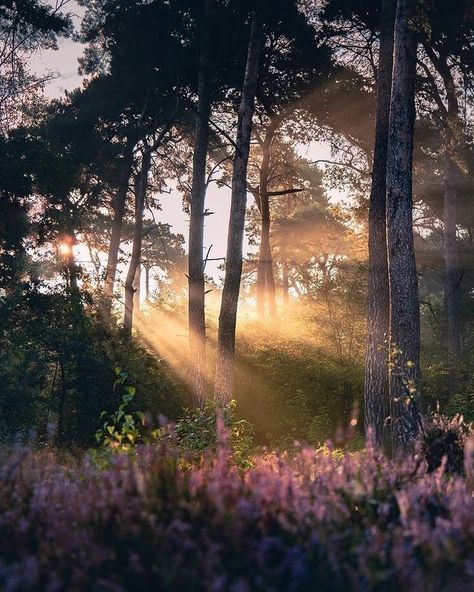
65, 249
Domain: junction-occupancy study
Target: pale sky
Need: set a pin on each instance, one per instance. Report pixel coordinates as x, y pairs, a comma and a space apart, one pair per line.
64, 63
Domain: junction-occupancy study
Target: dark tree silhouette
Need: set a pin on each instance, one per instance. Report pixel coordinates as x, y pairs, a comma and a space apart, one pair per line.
404, 335
228, 314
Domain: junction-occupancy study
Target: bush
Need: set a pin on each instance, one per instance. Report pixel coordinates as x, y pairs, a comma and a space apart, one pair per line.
445, 438
56, 368
199, 431
302, 522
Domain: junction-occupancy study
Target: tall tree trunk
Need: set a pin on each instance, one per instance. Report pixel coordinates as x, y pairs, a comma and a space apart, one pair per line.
285, 282
140, 195
376, 402
451, 259
264, 253
265, 274
119, 204
228, 314
404, 376
453, 135
61, 431
72, 269
196, 301
147, 283
137, 288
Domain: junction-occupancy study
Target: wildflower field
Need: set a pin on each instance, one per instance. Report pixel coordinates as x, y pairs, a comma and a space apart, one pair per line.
310, 520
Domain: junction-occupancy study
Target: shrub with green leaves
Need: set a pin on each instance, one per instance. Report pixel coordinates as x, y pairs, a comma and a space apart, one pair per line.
200, 430
124, 429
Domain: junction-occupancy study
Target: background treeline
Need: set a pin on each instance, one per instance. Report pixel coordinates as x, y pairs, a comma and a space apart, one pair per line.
181, 95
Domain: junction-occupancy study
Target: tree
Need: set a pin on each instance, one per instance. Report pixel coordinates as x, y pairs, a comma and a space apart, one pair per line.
447, 65
196, 298
404, 335
228, 314
141, 76
162, 251
141, 187
294, 64
26, 26
118, 206
376, 402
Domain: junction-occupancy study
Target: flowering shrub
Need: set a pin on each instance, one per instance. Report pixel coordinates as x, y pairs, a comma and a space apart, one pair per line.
446, 437
307, 521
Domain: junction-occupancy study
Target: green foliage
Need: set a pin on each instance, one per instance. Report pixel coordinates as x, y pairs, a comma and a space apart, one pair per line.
56, 369
199, 430
294, 387
124, 429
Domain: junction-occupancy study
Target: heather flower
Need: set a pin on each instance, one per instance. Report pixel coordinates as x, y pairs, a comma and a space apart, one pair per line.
307, 520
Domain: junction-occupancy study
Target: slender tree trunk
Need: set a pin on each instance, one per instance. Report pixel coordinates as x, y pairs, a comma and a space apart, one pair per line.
116, 235
72, 271
61, 431
137, 288
285, 282
264, 254
265, 273
265, 277
147, 283
228, 314
376, 402
270, 284
453, 135
196, 283
404, 374
140, 195
453, 273
451, 260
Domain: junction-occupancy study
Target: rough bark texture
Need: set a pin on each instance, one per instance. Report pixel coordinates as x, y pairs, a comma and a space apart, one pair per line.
285, 282
376, 402
230, 295
140, 195
196, 302
137, 285
147, 283
404, 376
265, 277
116, 234
453, 274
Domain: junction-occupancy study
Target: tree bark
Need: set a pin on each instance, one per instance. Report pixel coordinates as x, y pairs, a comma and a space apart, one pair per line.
265, 278
453, 275
376, 402
196, 283
137, 288
228, 314
451, 260
116, 235
140, 195
285, 283
266, 292
147, 283
72, 270
61, 430
404, 375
